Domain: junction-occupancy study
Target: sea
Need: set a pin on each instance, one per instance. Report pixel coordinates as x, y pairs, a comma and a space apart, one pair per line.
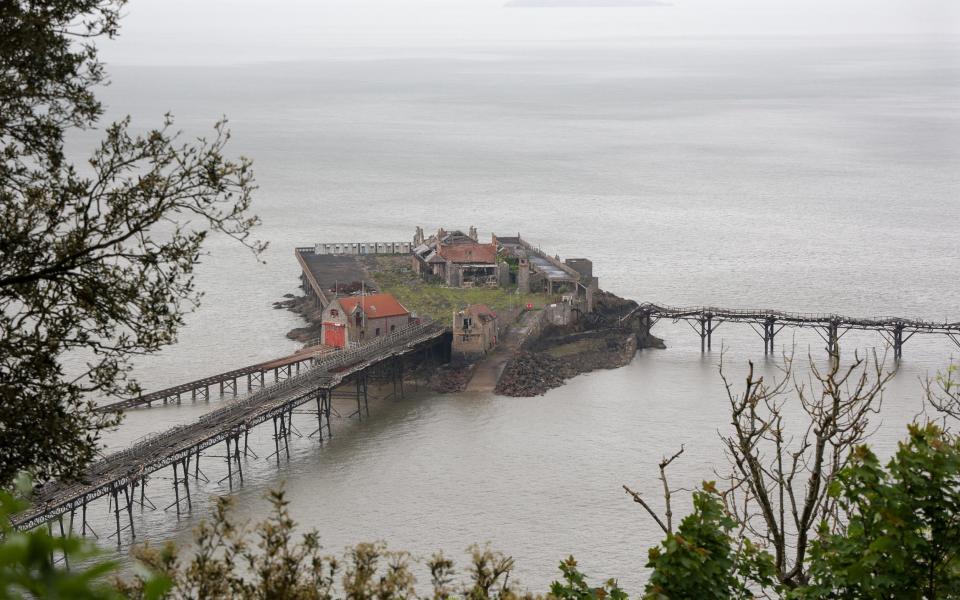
808, 174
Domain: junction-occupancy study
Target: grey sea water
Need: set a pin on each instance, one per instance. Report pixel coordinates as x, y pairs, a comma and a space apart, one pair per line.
806, 174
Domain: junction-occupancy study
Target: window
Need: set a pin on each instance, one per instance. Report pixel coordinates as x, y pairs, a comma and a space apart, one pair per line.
467, 322
393, 328
377, 332
334, 312
359, 320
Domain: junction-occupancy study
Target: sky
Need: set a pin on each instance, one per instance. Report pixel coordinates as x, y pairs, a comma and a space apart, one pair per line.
199, 32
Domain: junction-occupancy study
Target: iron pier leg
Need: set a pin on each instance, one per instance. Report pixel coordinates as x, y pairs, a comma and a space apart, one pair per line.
246, 441
286, 435
176, 489
327, 402
897, 342
186, 481
196, 466
320, 415
116, 512
221, 389
66, 559
178, 397
83, 518
229, 464
129, 499
276, 440
236, 455
709, 332
359, 408
249, 382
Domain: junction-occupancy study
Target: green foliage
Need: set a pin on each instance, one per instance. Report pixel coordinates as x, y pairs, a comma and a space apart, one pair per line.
269, 561
574, 586
28, 568
96, 260
903, 532
439, 302
702, 558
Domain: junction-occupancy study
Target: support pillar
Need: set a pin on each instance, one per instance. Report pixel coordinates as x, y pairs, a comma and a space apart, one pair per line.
186, 482
236, 455
116, 512
129, 498
229, 464
176, 489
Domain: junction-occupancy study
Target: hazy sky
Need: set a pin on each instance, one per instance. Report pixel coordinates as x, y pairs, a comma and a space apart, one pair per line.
233, 31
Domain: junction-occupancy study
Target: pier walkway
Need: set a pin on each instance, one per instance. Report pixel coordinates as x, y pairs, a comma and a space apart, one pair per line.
768, 323
119, 474
256, 375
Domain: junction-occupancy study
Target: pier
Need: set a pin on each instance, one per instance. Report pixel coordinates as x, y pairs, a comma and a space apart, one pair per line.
119, 475
768, 323
257, 375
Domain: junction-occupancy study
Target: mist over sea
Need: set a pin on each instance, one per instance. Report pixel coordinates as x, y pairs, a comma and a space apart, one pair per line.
803, 174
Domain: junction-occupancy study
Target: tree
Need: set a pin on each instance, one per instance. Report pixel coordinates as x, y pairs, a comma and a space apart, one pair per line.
778, 483
96, 259
943, 394
902, 529
28, 568
232, 560
704, 558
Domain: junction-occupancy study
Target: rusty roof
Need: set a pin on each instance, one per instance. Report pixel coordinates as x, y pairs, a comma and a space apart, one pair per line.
481, 311
469, 253
374, 306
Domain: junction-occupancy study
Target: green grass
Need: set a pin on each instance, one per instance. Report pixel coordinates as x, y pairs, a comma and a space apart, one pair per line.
395, 276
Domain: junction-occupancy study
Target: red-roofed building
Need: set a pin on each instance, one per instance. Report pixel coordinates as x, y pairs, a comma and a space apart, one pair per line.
459, 260
357, 318
469, 254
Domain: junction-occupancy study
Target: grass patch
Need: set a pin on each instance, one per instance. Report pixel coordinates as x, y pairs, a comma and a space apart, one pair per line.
395, 275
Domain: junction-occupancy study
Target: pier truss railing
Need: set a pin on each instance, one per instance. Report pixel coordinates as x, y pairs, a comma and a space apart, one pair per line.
257, 376
119, 474
767, 323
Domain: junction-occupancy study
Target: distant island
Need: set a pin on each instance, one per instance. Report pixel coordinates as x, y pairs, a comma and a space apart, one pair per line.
583, 3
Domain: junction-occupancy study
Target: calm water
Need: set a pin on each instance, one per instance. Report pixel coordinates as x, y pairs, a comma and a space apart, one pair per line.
801, 174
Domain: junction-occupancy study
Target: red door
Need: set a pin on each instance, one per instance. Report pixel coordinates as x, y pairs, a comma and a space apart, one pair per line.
333, 335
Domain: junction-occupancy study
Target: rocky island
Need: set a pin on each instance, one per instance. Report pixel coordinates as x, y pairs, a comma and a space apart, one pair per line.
520, 321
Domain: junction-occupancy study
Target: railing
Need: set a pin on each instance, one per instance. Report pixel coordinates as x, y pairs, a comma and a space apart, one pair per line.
800, 317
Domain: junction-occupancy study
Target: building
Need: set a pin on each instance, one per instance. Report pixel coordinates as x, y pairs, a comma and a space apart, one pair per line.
354, 319
457, 259
348, 248
474, 331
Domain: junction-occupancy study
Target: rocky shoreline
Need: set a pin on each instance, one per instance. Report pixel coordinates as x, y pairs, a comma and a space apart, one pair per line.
550, 362
546, 362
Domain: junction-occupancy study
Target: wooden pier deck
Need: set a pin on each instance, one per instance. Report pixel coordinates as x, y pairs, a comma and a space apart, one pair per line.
119, 474
256, 376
